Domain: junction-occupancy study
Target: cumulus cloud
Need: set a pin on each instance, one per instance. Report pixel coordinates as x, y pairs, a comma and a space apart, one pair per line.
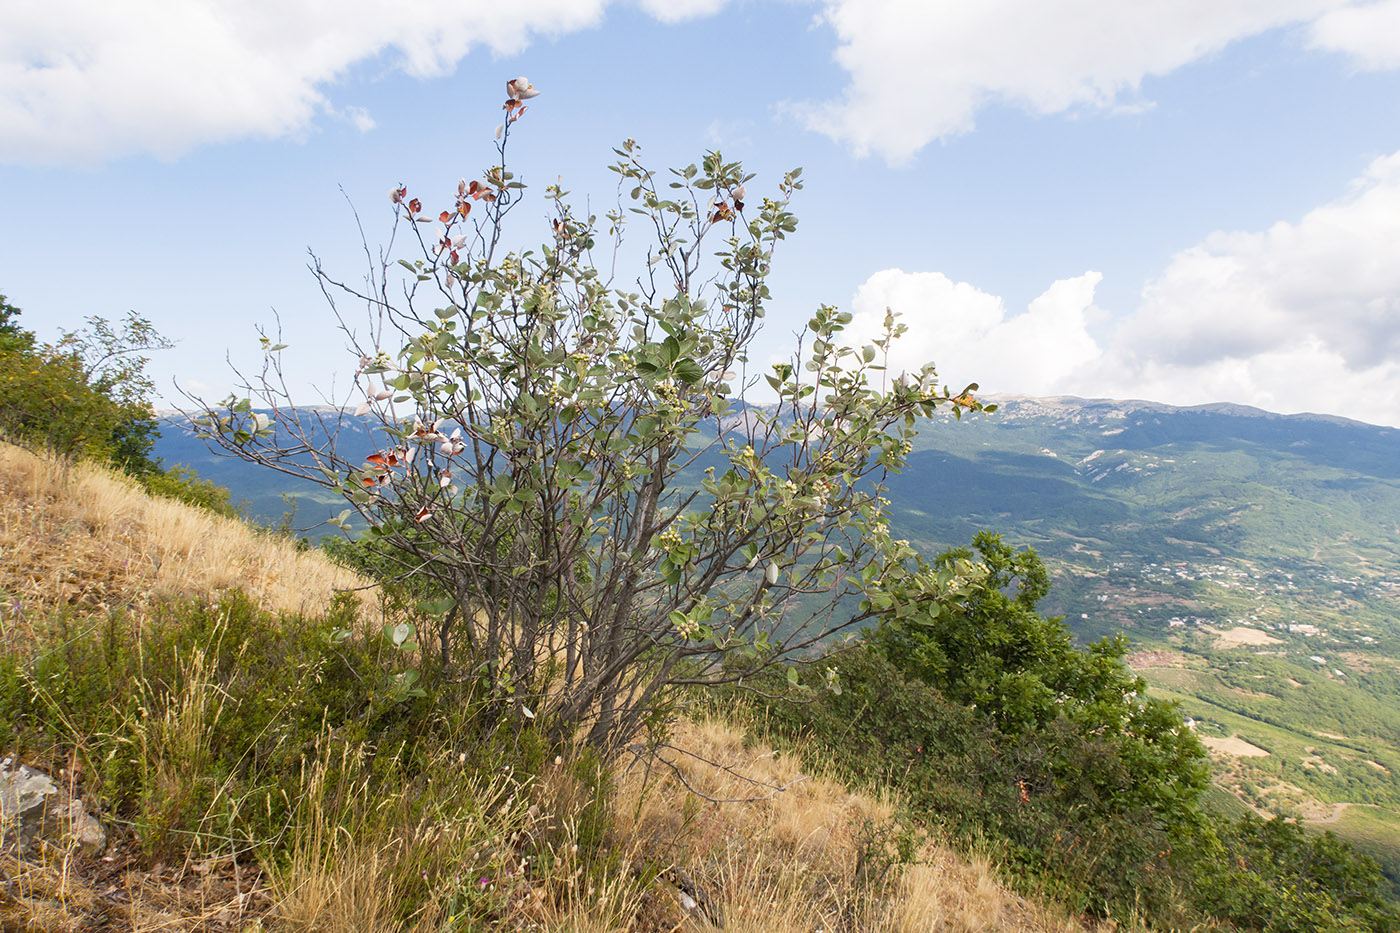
1303, 316
86, 81
970, 335
1369, 34
920, 71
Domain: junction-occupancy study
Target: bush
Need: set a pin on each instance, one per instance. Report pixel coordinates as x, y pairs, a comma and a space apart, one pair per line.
994, 652
1276, 877
544, 431
999, 733
1074, 834
185, 485
190, 724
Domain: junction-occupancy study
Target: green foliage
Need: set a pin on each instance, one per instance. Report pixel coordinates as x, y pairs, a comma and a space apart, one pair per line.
85, 395
12, 336
1057, 809
996, 731
185, 485
190, 724
994, 651
1275, 877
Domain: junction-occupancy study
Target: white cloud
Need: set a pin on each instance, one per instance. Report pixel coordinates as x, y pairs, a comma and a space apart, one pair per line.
1302, 316
920, 70
358, 117
676, 11
969, 335
1369, 33
86, 81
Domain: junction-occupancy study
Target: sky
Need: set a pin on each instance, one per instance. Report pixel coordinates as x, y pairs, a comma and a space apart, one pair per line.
1186, 201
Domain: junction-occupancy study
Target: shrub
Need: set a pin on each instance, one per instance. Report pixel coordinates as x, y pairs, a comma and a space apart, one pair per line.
545, 432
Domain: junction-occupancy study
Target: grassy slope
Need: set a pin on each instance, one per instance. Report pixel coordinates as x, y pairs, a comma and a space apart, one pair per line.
1217, 518
80, 542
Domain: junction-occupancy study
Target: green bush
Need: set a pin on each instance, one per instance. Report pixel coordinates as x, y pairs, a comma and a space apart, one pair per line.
1000, 734
185, 485
1075, 833
192, 724
1276, 877
85, 395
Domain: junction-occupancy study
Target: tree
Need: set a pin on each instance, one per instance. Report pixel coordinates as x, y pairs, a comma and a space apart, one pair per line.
565, 456
991, 649
86, 394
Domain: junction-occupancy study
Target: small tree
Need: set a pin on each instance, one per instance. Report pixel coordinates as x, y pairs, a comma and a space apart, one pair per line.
567, 458
87, 394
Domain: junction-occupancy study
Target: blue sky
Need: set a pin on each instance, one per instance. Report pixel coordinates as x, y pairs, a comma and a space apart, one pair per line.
1183, 201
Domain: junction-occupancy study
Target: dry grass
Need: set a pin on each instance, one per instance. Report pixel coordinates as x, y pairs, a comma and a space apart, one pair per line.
82, 537
61, 892
813, 856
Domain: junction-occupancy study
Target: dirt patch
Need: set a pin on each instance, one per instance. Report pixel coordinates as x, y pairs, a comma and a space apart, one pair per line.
1143, 660
1332, 735
1312, 760
1377, 765
1240, 636
1364, 663
1318, 812
1234, 745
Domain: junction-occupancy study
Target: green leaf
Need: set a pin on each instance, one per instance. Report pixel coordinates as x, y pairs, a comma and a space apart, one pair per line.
689, 371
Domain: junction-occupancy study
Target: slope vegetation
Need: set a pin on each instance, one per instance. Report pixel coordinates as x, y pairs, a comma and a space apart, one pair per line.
260, 762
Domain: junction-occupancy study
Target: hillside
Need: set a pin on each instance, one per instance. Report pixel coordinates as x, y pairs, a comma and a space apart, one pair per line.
1252, 559
101, 579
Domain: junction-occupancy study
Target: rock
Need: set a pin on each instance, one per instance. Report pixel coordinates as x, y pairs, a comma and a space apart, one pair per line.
24, 794
84, 828
694, 898
33, 807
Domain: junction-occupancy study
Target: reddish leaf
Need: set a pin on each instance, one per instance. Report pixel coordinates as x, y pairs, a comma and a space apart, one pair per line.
415, 205
445, 217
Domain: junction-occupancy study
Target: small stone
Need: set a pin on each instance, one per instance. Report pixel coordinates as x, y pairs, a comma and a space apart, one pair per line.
85, 829
24, 794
